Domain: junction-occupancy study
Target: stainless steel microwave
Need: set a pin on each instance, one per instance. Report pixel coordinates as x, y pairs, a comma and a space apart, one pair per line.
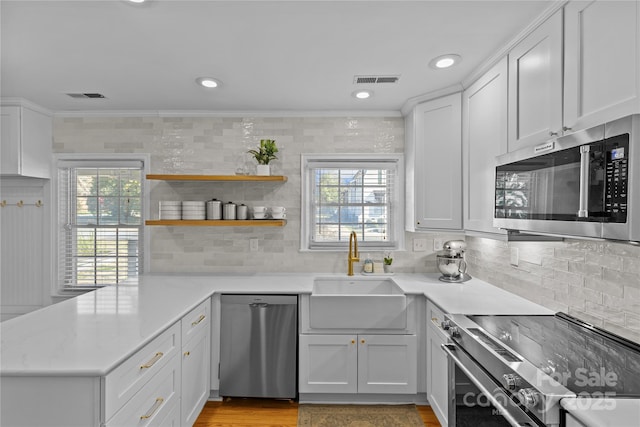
586, 184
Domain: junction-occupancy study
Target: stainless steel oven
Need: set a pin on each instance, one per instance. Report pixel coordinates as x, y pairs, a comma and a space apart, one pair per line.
515, 370
576, 185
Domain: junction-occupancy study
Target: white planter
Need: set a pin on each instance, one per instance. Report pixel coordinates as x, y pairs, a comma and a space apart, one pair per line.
263, 170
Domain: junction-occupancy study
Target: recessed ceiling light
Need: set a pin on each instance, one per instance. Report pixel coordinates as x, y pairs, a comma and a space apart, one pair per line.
362, 94
445, 61
208, 82
137, 1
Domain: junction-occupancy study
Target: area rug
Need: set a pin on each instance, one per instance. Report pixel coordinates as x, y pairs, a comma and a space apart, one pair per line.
359, 416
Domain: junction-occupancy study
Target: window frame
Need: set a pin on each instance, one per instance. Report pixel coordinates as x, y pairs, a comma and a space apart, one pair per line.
91, 159
344, 161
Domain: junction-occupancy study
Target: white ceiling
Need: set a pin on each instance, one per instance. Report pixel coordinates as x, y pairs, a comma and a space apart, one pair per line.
269, 55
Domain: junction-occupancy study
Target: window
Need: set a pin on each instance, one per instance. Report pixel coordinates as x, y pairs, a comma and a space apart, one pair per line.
100, 222
345, 193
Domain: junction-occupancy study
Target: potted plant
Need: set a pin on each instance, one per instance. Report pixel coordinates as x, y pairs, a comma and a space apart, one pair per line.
388, 260
264, 154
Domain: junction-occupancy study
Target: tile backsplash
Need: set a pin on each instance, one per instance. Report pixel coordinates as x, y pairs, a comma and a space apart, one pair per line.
215, 145
598, 282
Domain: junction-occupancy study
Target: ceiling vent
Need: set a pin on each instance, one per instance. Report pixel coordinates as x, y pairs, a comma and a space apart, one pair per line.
375, 79
86, 95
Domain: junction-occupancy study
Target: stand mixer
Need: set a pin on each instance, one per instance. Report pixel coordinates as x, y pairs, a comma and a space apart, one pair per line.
451, 262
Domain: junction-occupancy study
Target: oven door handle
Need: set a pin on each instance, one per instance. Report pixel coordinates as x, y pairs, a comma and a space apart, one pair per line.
449, 349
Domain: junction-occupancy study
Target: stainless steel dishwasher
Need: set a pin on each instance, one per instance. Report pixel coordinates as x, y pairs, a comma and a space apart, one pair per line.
258, 346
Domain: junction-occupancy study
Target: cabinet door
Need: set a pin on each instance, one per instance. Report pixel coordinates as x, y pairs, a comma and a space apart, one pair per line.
195, 375
328, 364
535, 85
438, 164
602, 50
437, 376
484, 136
10, 142
387, 364
26, 143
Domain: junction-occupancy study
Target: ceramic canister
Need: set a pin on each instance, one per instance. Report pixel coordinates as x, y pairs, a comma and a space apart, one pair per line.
229, 211
242, 212
214, 209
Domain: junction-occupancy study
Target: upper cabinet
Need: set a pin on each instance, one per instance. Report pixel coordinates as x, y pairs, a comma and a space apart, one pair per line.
578, 69
433, 154
602, 62
484, 136
535, 85
26, 140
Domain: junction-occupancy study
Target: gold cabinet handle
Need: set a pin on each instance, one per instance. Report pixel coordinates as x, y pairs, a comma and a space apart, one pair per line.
200, 319
361, 341
434, 320
152, 361
353, 341
187, 353
153, 409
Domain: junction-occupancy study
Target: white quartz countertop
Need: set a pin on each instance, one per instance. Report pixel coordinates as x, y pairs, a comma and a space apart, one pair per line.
597, 412
91, 334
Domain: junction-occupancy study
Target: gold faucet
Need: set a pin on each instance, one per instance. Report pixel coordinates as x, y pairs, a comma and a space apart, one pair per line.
353, 252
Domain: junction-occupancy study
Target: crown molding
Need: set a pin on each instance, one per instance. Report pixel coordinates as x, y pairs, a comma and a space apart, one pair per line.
25, 103
237, 113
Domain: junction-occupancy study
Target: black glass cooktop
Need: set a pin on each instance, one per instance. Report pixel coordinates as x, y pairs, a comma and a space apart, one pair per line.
585, 359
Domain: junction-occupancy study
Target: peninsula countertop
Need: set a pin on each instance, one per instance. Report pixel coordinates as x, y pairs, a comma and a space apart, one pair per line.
91, 334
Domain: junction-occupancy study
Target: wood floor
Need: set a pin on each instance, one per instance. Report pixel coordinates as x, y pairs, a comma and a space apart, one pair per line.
267, 413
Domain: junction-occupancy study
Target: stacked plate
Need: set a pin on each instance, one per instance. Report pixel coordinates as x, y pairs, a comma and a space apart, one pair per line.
194, 210
170, 210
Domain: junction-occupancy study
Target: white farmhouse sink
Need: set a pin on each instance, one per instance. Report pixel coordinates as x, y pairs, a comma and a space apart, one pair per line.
360, 303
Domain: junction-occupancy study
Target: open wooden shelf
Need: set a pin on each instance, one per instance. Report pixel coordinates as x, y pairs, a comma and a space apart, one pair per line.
228, 178
218, 223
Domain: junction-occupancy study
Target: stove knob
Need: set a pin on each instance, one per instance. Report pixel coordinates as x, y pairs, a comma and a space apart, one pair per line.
446, 324
454, 332
511, 381
529, 397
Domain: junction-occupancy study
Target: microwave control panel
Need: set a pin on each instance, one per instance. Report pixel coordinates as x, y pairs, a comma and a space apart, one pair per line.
617, 166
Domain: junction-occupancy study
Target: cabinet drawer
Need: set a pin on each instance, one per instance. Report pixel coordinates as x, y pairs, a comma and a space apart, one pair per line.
435, 317
155, 402
196, 320
121, 384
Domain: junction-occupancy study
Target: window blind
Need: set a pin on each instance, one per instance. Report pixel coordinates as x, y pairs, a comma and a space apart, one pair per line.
100, 222
352, 196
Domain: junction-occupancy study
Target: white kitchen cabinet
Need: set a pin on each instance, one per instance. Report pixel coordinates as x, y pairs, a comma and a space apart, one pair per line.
196, 362
358, 364
484, 136
26, 140
437, 365
602, 62
535, 85
433, 153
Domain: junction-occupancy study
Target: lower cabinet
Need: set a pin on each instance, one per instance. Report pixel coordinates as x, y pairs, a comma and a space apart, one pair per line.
165, 383
196, 362
437, 365
358, 364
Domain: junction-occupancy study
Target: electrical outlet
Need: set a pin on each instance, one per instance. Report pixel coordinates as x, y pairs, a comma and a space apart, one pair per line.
253, 245
514, 257
437, 244
419, 245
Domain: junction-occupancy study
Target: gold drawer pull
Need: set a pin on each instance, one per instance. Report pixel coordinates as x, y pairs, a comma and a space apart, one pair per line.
200, 319
154, 408
187, 353
353, 341
153, 360
361, 341
434, 320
